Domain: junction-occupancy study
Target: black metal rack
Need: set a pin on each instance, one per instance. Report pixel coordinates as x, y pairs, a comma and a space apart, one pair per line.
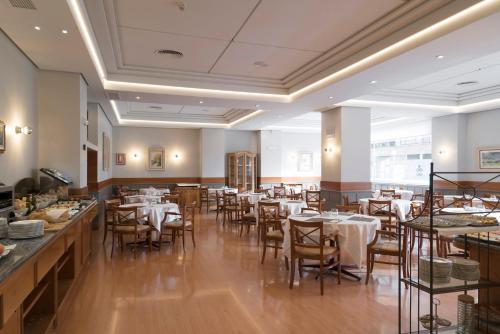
411, 306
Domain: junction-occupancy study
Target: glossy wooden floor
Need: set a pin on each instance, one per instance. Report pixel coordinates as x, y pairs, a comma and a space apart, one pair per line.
221, 287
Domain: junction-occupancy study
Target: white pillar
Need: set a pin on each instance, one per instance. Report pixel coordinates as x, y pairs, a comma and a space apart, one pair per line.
270, 147
212, 156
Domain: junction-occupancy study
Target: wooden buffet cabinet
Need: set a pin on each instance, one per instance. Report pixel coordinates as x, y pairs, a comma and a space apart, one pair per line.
242, 170
33, 294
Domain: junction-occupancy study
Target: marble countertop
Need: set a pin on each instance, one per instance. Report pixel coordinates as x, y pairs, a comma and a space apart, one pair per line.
27, 248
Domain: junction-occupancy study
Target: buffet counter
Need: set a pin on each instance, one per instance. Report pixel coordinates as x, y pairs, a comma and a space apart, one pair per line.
36, 278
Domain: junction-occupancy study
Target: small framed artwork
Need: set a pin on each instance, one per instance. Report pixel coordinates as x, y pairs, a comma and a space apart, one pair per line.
156, 158
489, 158
2, 137
121, 159
305, 162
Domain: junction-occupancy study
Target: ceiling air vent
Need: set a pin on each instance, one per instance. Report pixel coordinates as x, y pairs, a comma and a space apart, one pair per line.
167, 52
113, 96
155, 107
26, 4
464, 83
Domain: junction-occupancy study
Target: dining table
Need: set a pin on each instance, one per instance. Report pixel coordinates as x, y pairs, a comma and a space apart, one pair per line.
150, 199
354, 231
225, 189
404, 193
401, 207
155, 212
151, 191
293, 207
253, 198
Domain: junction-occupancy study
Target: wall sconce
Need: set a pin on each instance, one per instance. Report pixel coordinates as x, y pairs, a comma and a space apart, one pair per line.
135, 156
25, 130
442, 151
177, 156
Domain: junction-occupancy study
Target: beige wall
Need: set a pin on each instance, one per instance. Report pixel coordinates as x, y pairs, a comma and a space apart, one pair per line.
17, 107
131, 140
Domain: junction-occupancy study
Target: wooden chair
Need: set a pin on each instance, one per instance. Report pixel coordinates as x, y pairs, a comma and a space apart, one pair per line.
386, 247
270, 227
219, 199
382, 209
184, 223
416, 211
204, 198
230, 207
127, 222
352, 208
396, 196
279, 192
389, 193
293, 194
109, 206
307, 242
313, 199
247, 214
460, 202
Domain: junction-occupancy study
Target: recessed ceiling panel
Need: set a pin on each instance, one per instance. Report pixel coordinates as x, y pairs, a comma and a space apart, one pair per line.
202, 110
313, 24
138, 49
202, 18
261, 61
156, 107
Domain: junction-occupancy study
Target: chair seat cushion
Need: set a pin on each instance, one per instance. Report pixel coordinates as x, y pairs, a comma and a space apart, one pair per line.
315, 252
274, 235
130, 229
177, 223
386, 246
386, 219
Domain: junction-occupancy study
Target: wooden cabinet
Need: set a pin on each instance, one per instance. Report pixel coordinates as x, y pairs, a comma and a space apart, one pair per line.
242, 170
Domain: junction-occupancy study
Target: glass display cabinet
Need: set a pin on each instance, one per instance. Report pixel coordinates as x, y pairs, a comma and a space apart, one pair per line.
242, 171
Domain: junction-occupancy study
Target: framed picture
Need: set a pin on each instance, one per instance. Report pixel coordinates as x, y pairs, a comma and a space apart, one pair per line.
121, 159
105, 152
305, 162
489, 158
156, 158
2, 137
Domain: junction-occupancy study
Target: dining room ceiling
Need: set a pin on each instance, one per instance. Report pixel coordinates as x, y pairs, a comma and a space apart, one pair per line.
253, 71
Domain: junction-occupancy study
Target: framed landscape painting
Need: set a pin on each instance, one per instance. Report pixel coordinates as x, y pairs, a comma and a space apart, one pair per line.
121, 159
156, 158
489, 158
2, 137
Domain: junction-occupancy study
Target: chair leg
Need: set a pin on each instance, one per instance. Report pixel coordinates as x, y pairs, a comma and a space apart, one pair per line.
105, 232
368, 266
320, 275
150, 239
301, 268
241, 229
339, 272
275, 249
183, 240
121, 242
286, 263
159, 239
192, 236
112, 243
292, 273
135, 246
263, 252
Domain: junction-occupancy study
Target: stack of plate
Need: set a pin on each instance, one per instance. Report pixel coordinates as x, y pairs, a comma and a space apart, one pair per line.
465, 270
441, 269
25, 229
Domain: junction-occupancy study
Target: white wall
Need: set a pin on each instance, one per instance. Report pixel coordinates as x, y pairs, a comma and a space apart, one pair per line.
331, 161
355, 144
270, 153
17, 107
62, 105
104, 126
449, 137
236, 141
130, 140
212, 153
295, 143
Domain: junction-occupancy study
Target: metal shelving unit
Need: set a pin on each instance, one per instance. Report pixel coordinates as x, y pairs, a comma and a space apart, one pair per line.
417, 297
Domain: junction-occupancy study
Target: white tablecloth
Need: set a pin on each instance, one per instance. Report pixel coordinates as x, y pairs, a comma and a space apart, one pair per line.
293, 207
355, 232
156, 212
405, 194
226, 190
142, 199
153, 191
253, 198
402, 207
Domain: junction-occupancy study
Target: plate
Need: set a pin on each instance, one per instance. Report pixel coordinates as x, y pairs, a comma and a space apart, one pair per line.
7, 250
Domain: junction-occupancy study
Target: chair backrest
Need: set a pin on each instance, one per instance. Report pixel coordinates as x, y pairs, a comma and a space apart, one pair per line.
269, 214
109, 205
345, 199
416, 209
125, 217
379, 207
313, 196
493, 204
279, 192
396, 196
387, 192
219, 195
170, 198
230, 199
188, 213
460, 202
204, 192
353, 208
245, 204
306, 235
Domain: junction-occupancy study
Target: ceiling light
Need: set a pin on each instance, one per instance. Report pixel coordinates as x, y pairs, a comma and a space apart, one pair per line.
373, 82
389, 121
261, 63
137, 97
64, 31
330, 97
439, 57
37, 28
257, 106
201, 102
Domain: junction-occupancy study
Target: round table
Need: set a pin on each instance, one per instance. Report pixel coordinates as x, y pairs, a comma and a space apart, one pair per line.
354, 232
401, 206
154, 191
155, 212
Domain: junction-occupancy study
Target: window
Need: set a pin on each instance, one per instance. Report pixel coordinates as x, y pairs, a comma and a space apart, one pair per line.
399, 154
